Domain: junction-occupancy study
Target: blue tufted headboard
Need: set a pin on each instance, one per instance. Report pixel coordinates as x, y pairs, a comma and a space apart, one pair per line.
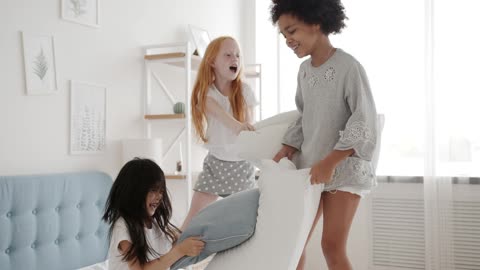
53, 221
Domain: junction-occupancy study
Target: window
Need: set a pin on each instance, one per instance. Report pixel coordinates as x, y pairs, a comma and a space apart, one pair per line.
393, 41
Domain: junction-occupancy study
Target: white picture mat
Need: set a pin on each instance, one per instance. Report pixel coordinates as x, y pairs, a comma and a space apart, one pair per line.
200, 39
40, 64
84, 12
87, 118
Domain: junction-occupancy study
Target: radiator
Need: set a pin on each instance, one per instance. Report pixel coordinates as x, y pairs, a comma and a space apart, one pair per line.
397, 215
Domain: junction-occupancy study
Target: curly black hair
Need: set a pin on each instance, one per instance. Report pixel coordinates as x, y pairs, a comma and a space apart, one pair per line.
329, 14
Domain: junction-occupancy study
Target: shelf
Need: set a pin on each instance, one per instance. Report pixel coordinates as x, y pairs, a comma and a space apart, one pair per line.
164, 116
252, 70
175, 176
165, 56
250, 74
178, 59
175, 59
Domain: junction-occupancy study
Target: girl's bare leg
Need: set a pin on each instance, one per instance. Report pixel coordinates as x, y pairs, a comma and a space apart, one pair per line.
338, 211
199, 201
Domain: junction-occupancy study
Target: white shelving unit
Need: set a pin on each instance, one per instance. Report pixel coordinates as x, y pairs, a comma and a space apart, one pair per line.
179, 55
254, 72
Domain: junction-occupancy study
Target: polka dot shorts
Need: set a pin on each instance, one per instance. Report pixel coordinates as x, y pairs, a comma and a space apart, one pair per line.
224, 178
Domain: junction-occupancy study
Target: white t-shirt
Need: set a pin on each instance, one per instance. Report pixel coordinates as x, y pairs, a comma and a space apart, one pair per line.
220, 137
155, 237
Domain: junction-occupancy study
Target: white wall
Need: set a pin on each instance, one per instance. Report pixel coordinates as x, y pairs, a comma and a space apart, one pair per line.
34, 130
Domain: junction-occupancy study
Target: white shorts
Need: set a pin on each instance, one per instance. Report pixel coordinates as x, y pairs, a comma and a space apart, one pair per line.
360, 192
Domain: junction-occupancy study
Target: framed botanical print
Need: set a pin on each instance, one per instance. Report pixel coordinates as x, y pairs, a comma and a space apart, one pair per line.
87, 118
40, 64
84, 12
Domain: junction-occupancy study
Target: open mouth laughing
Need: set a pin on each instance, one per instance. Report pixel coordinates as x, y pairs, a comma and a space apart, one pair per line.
154, 206
233, 68
294, 48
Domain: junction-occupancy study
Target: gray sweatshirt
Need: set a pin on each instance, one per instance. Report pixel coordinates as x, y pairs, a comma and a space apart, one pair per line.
337, 111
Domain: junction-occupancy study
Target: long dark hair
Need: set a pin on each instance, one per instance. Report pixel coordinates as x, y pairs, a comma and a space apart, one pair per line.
127, 200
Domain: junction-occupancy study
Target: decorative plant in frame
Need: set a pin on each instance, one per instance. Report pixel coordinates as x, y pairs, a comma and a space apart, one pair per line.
88, 118
200, 38
39, 60
84, 12
78, 7
90, 131
40, 65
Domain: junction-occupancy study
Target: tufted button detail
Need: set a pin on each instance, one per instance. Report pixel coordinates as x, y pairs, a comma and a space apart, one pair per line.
57, 209
9, 214
33, 245
7, 251
34, 211
78, 206
56, 241
77, 236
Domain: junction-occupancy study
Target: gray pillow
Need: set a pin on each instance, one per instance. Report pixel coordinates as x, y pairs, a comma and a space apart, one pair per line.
223, 224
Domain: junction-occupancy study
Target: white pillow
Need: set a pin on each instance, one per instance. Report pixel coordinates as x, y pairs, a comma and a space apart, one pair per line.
266, 140
285, 118
287, 206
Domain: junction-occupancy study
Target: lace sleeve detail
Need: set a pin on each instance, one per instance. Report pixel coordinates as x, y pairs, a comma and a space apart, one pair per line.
357, 132
359, 136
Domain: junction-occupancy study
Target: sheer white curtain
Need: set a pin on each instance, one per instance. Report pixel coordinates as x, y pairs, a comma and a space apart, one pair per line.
422, 59
453, 155
425, 83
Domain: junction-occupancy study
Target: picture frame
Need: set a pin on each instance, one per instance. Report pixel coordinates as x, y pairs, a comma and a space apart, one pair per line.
85, 12
88, 112
200, 39
39, 64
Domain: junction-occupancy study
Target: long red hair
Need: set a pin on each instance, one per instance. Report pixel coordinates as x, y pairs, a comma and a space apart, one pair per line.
205, 78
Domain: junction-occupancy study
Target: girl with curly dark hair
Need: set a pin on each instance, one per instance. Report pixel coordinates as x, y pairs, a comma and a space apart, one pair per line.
335, 134
138, 210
